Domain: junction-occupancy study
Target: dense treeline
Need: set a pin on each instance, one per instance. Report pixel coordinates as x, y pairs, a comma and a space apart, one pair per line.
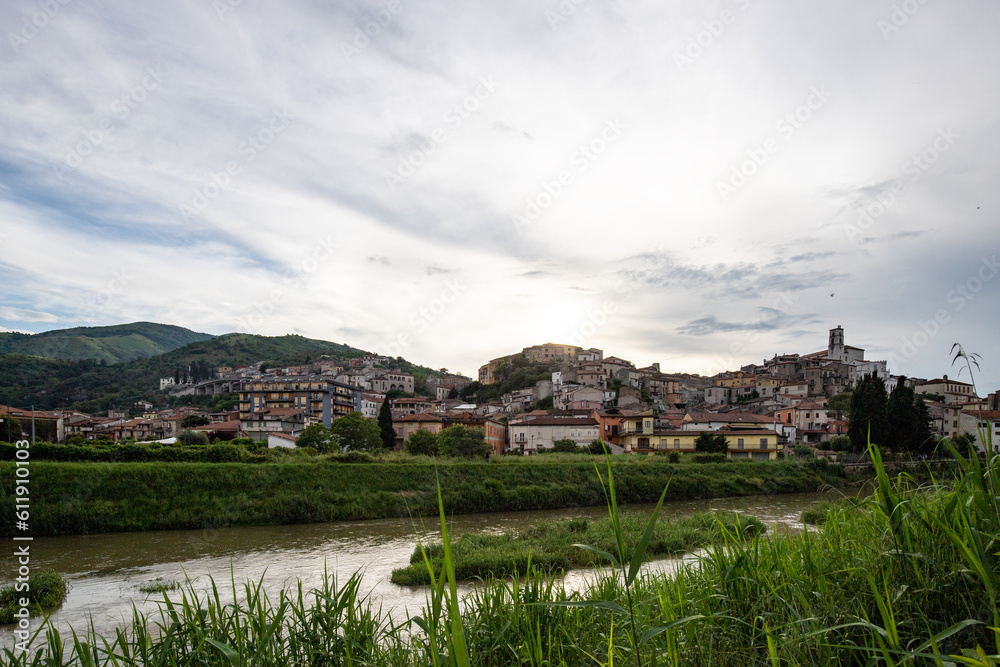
93, 386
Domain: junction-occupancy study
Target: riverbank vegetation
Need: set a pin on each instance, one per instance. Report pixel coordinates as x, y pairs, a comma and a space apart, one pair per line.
550, 546
908, 576
81, 498
46, 591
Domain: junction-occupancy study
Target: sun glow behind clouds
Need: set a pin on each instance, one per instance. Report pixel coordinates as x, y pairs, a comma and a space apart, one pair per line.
591, 117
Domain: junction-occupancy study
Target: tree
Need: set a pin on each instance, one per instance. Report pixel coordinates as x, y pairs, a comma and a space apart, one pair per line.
422, 442
11, 428
542, 404
839, 406
565, 445
354, 432
316, 436
453, 393
923, 433
189, 438
597, 447
901, 418
965, 444
868, 413
839, 443
385, 426
711, 443
194, 420
459, 440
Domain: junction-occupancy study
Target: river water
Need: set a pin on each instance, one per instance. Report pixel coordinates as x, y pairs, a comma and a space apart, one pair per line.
105, 572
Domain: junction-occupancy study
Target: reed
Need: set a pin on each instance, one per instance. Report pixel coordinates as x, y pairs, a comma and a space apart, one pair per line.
907, 576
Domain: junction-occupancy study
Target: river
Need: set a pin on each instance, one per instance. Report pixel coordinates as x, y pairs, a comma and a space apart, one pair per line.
105, 572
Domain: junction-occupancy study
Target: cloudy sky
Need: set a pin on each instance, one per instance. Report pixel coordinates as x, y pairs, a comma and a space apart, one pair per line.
703, 184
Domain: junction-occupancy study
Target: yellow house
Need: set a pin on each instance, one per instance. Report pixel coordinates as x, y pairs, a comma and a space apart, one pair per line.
639, 434
756, 444
744, 443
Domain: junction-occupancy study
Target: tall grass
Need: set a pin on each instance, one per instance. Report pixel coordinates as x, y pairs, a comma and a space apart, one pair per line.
551, 546
910, 575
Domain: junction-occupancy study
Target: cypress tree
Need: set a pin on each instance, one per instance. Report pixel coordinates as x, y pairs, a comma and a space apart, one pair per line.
868, 412
901, 415
385, 425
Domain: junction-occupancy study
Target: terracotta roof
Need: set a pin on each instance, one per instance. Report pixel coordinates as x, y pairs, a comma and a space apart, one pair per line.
219, 427
988, 415
559, 421
734, 431
943, 381
740, 417
279, 412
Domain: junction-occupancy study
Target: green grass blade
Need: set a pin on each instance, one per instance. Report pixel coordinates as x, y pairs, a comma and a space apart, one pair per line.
660, 629
460, 651
606, 555
639, 554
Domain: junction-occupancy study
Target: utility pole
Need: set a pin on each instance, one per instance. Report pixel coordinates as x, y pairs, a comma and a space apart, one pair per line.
32, 425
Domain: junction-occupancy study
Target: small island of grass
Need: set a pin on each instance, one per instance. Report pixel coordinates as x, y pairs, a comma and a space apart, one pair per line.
549, 545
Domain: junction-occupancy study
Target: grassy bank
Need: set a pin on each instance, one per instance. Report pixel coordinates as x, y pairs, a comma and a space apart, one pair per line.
78, 498
46, 591
550, 545
908, 576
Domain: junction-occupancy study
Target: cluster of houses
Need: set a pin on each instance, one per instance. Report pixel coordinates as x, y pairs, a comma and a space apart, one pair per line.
758, 409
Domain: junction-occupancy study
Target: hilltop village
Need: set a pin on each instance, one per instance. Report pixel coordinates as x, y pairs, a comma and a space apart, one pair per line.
528, 401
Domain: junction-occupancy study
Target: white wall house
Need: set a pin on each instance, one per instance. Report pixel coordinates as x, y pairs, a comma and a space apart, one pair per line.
543, 432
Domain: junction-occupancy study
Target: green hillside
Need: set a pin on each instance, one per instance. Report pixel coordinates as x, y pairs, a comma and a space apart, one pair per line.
113, 344
95, 386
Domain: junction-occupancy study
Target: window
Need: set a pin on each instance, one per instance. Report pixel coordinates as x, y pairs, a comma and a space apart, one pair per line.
739, 443
677, 443
763, 443
647, 423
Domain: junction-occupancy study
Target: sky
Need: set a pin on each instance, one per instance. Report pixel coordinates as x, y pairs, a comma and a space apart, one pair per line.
699, 184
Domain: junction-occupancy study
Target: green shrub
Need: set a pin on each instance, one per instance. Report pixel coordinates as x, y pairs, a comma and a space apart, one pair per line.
708, 458
191, 438
47, 590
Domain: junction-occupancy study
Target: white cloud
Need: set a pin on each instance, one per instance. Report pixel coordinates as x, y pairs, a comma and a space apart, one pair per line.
204, 123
